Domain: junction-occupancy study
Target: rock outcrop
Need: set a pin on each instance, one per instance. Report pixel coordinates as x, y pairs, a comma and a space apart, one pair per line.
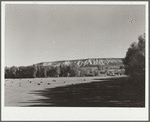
85, 62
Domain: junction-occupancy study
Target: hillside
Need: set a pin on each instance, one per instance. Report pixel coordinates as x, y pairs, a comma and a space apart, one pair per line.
85, 62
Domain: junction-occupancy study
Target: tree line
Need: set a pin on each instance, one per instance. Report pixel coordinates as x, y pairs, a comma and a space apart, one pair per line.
41, 71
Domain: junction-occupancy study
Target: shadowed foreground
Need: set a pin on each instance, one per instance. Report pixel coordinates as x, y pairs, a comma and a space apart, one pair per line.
113, 92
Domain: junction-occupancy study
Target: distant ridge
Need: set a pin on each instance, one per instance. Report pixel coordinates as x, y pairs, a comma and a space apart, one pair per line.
85, 62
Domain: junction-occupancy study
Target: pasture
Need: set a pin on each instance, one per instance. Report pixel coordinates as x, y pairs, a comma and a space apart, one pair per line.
71, 91
18, 91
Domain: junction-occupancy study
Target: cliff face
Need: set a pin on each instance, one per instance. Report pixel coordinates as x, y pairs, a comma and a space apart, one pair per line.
85, 62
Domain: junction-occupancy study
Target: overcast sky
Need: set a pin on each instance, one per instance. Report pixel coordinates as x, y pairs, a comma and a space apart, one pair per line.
44, 33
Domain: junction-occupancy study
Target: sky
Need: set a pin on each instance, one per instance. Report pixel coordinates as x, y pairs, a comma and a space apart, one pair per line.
44, 33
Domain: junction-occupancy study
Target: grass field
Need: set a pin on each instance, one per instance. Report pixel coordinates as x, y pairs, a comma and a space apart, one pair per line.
73, 92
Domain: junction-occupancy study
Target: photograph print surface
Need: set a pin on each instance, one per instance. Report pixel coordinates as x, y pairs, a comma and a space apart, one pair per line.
74, 55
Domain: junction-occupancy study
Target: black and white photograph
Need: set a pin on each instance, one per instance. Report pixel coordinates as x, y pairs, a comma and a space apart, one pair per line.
77, 56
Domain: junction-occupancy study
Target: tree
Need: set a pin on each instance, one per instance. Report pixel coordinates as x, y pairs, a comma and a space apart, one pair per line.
78, 73
45, 71
38, 71
82, 73
13, 71
53, 71
135, 58
57, 71
74, 70
95, 72
48, 71
63, 70
34, 71
7, 72
101, 67
92, 72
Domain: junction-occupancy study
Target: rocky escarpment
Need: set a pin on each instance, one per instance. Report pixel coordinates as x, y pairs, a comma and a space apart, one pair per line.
85, 62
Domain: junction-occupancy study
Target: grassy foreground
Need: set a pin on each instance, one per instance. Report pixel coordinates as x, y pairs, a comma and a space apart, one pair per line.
75, 92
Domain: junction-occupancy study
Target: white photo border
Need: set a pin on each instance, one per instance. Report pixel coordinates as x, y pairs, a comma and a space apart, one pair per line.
75, 113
